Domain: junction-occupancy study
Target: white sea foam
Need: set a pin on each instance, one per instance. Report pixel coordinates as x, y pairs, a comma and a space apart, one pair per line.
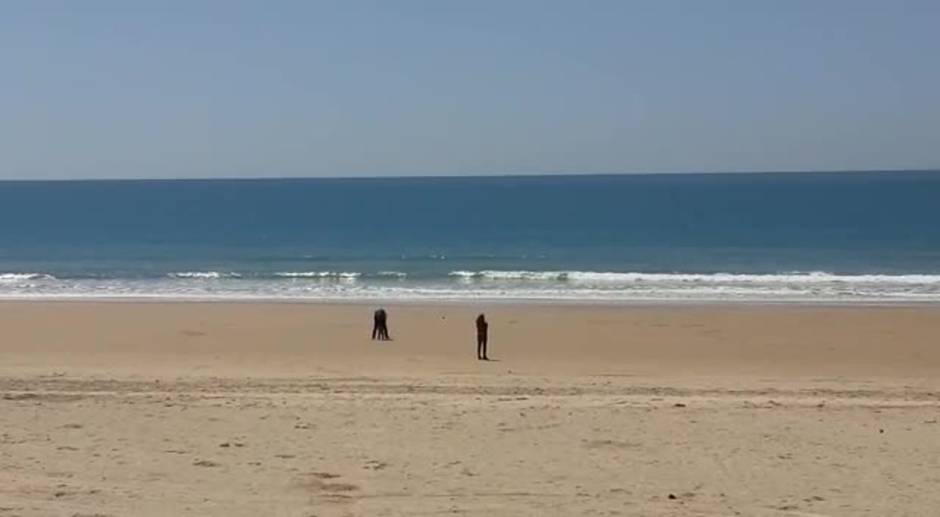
342, 275
19, 277
816, 277
391, 274
509, 275
543, 286
205, 275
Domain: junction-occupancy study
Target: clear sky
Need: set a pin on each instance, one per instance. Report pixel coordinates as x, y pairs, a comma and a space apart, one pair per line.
350, 88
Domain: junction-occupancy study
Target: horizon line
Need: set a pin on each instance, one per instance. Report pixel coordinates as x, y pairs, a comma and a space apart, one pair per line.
473, 176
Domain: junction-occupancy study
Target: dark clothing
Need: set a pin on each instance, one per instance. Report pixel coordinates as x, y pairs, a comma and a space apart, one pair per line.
482, 331
380, 325
481, 346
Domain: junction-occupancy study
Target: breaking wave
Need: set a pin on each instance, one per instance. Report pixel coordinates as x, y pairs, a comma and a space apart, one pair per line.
391, 274
544, 286
815, 277
341, 275
204, 275
19, 277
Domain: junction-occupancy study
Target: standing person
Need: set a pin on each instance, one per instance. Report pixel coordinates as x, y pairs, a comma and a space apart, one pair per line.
383, 329
380, 325
482, 331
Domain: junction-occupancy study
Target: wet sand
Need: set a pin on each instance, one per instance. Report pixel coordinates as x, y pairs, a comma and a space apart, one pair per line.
289, 409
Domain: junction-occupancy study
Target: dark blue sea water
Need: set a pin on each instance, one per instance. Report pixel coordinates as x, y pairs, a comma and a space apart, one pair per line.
871, 236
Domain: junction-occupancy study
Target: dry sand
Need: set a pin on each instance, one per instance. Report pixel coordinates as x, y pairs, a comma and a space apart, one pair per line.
289, 409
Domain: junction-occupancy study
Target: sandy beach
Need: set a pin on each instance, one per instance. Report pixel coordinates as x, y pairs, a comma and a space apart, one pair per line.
246, 409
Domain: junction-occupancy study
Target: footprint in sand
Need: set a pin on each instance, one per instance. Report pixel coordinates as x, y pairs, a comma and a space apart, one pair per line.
323, 475
611, 444
314, 482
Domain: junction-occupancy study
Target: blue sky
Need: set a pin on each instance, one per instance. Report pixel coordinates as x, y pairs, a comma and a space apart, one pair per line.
348, 88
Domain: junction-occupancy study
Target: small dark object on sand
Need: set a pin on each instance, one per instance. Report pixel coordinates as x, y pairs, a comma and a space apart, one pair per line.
881, 431
672, 496
678, 404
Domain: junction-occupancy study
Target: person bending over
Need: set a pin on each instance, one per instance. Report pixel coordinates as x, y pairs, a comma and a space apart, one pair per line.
380, 325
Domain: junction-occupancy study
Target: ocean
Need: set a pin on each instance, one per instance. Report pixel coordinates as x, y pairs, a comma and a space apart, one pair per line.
803, 237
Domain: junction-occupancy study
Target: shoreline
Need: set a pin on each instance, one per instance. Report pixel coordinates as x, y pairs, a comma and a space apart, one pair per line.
464, 302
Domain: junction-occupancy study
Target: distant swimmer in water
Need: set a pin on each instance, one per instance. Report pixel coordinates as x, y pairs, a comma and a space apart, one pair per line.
380, 325
482, 331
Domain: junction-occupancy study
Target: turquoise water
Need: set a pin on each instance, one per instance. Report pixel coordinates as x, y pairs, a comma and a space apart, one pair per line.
775, 237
